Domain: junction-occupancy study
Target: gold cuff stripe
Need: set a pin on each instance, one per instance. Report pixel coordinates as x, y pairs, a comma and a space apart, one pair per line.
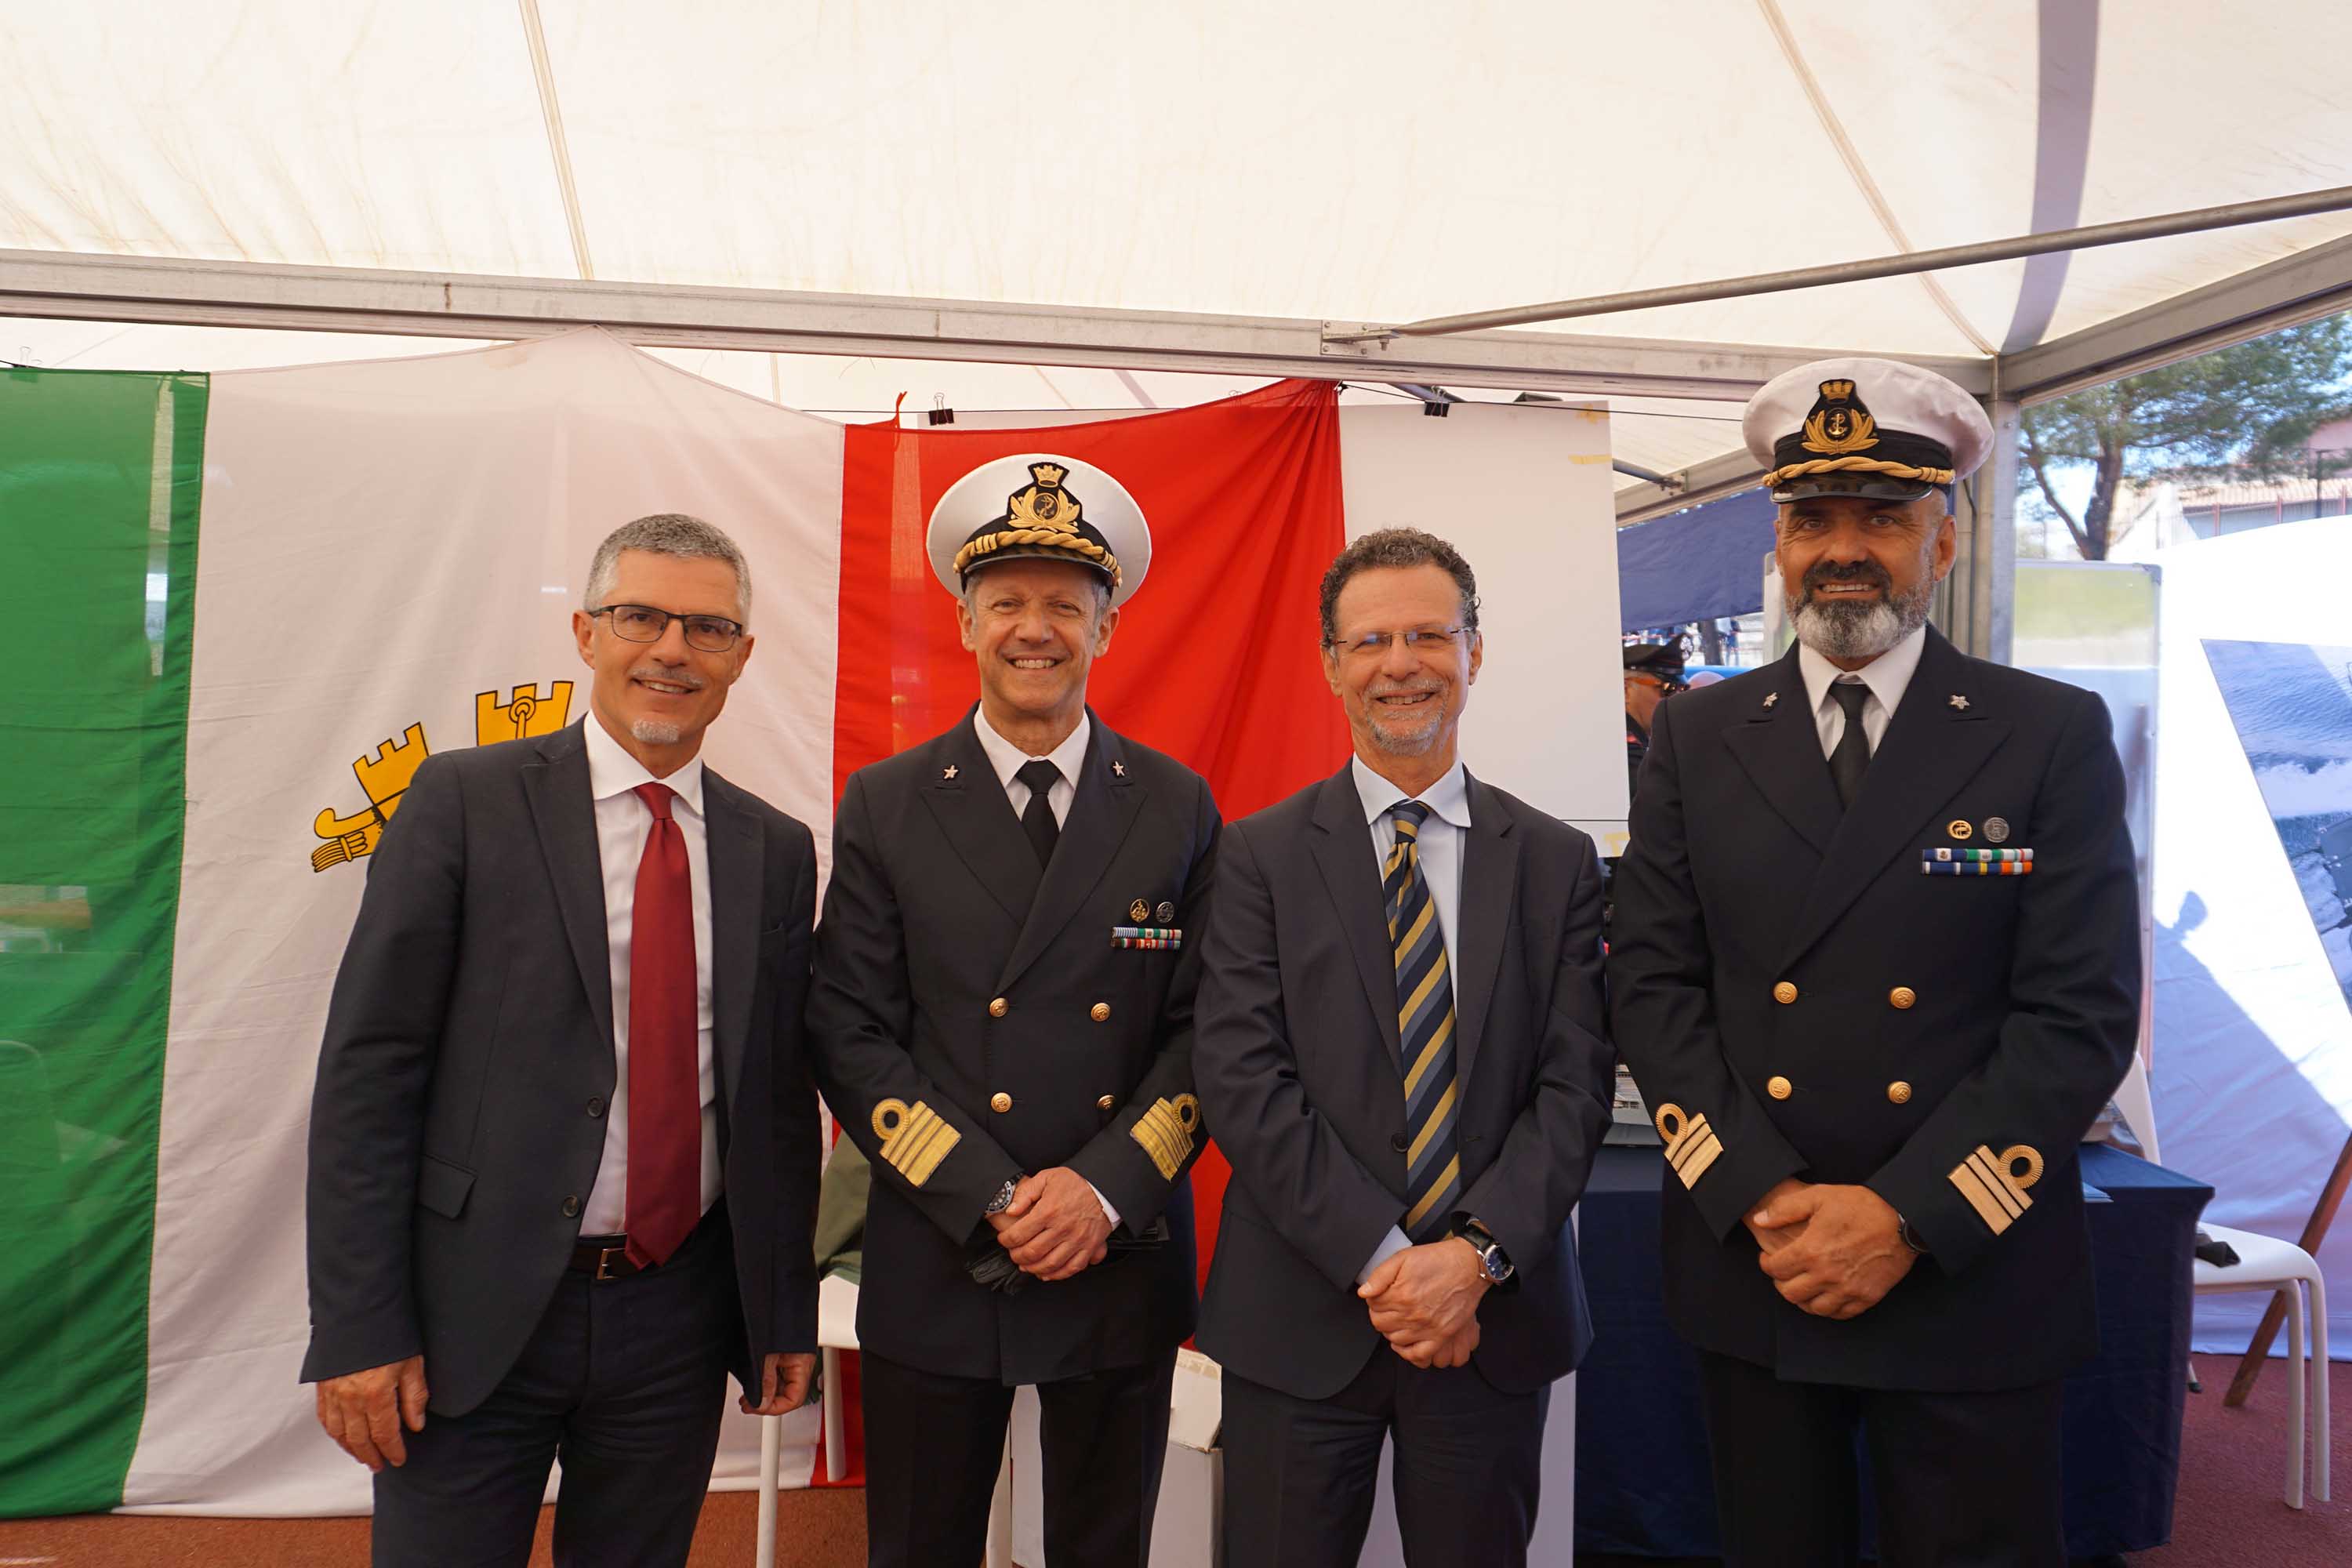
1691, 1145
914, 1139
1445, 1180
1999, 1197
1164, 1133
1859, 465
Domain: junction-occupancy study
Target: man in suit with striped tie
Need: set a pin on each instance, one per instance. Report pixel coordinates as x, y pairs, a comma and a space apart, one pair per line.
1399, 1044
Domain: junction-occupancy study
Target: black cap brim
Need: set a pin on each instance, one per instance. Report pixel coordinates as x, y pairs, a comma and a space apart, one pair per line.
1851, 482
1034, 552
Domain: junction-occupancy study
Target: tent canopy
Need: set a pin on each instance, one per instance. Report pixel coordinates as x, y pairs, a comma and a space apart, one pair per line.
1146, 183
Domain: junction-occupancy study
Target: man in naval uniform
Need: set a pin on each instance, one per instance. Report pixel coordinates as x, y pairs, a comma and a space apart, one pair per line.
1003, 1022
1653, 671
1877, 968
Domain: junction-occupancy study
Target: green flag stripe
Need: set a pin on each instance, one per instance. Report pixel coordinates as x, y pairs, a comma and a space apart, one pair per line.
100, 474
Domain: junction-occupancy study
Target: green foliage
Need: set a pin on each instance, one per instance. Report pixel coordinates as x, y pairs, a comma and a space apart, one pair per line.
2249, 409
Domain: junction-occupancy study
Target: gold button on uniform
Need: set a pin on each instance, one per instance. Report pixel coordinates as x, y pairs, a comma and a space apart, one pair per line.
1778, 1088
998, 1008
1099, 1011
1899, 1092
1902, 996
1784, 993
1000, 1102
1105, 1103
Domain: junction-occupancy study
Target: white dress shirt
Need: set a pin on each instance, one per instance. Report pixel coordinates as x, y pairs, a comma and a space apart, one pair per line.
1887, 676
1441, 867
1007, 759
623, 820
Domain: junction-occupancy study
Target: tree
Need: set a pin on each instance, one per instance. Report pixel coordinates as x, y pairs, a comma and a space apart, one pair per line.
2252, 406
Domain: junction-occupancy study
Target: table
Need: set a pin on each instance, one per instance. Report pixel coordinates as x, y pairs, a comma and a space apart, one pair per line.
1642, 1483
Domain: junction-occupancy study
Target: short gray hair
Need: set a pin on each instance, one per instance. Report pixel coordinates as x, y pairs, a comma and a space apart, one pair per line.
671, 533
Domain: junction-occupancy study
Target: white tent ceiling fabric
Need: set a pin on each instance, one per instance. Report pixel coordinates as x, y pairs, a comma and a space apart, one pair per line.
1379, 159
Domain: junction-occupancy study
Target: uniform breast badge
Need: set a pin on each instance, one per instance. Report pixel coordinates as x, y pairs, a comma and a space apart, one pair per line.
1950, 862
1138, 911
1150, 939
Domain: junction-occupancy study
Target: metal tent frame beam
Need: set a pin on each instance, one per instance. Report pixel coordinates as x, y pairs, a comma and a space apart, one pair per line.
355, 300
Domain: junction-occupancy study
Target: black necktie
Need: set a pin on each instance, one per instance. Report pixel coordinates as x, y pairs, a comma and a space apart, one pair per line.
1851, 760
1037, 817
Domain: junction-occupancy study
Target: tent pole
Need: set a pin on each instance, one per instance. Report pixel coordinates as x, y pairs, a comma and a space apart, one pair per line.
2229, 216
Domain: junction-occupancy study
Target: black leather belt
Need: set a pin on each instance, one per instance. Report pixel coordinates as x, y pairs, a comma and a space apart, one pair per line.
604, 1258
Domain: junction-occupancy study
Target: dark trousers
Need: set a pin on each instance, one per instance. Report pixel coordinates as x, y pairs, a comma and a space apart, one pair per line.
624, 1380
1301, 1474
1961, 1479
934, 1443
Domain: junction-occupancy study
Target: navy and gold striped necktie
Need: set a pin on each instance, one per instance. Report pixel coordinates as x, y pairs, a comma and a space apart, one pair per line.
1425, 1030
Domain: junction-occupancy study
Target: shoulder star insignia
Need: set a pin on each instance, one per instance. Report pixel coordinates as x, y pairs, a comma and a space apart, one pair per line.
1118, 768
949, 772
1770, 697
1959, 701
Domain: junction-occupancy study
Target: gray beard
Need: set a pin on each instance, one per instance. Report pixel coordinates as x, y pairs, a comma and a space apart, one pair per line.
1861, 631
654, 733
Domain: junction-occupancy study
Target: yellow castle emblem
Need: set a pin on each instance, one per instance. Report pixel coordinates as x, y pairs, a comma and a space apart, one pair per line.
385, 776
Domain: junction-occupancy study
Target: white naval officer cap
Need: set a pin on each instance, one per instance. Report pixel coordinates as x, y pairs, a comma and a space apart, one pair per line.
1040, 506
1875, 428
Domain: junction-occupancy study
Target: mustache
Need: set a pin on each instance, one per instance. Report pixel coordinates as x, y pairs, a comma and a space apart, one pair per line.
1869, 572
669, 676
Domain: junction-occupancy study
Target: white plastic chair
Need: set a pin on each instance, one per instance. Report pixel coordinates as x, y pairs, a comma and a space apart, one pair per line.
2267, 1263
836, 1331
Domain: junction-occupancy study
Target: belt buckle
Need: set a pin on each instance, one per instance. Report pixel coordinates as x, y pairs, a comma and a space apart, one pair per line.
605, 1257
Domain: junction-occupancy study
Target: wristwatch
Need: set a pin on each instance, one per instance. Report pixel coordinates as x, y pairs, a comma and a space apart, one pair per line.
1910, 1238
1004, 1198
1491, 1255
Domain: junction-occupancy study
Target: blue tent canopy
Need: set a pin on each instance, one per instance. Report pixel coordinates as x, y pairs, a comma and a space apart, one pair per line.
1696, 565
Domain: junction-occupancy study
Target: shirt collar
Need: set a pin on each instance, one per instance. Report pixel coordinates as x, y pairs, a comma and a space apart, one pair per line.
1448, 799
612, 770
1887, 676
1006, 758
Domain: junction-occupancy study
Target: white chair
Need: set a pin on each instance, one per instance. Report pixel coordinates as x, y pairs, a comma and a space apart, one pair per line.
2267, 1263
836, 1331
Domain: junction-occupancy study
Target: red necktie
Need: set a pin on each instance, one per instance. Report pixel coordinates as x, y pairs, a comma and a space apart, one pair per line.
664, 1182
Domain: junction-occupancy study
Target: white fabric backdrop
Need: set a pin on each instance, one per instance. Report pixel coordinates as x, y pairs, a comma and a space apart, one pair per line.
380, 541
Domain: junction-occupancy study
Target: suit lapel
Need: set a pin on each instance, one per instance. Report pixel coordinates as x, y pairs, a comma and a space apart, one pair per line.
973, 811
564, 815
1778, 744
1490, 881
1930, 752
1103, 807
737, 844
1343, 853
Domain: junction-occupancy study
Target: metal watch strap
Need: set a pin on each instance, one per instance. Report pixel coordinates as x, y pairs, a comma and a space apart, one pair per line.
1004, 1198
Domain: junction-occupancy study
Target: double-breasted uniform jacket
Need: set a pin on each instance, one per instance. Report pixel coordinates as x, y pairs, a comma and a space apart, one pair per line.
459, 1120
1797, 997
974, 1021
1300, 1068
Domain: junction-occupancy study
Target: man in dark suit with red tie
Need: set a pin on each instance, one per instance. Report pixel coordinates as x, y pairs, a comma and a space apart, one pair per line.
1876, 965
1002, 1021
1399, 1050
564, 1148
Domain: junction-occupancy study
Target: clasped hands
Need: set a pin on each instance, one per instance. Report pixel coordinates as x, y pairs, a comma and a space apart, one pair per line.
1055, 1226
1425, 1301
1832, 1251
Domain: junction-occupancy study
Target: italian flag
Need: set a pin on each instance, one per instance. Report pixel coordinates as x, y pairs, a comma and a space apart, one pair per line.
243, 608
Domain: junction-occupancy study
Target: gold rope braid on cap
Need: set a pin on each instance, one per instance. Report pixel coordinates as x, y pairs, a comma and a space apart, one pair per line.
1059, 540
1860, 464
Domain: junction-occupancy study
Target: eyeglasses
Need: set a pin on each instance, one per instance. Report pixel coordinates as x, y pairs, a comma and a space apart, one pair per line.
643, 623
1419, 640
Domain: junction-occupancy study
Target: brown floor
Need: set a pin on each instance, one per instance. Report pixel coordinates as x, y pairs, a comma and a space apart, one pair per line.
2230, 1513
